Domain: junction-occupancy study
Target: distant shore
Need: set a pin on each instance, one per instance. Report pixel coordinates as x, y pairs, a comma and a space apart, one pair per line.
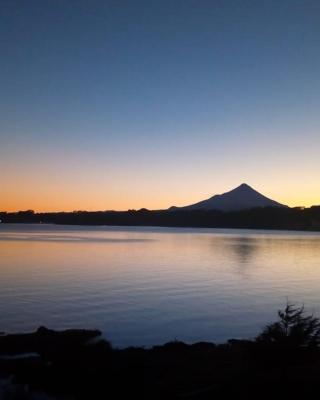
271, 218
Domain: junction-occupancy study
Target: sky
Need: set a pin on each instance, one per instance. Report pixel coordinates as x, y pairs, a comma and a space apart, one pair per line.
129, 104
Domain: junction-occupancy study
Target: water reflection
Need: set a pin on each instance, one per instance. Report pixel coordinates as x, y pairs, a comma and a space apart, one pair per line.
148, 285
63, 238
244, 249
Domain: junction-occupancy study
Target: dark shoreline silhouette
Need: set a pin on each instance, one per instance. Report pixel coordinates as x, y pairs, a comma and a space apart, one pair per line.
257, 218
76, 364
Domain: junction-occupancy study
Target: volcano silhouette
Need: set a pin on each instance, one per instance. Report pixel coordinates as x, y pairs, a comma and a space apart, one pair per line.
241, 198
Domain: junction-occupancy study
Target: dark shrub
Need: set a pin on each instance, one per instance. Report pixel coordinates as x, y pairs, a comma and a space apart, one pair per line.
294, 329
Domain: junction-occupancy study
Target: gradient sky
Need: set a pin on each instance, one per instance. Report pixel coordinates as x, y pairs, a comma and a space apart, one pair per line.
130, 104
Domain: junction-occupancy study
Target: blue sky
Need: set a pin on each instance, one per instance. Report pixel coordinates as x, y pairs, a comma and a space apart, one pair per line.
122, 104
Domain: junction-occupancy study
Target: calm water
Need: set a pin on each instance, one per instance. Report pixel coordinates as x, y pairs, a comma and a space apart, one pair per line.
144, 286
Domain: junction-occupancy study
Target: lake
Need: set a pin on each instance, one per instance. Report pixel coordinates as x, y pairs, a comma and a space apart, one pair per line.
146, 286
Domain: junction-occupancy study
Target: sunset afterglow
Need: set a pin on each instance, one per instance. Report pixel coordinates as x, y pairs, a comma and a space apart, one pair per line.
151, 106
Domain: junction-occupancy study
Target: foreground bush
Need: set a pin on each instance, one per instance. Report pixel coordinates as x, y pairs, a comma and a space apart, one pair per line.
294, 328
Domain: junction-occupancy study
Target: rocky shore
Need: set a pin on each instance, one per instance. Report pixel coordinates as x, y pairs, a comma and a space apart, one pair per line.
78, 364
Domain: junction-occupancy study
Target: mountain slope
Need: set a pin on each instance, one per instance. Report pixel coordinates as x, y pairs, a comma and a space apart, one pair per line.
241, 198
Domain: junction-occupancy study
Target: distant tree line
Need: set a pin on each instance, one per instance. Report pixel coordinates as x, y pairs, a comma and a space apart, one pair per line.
257, 218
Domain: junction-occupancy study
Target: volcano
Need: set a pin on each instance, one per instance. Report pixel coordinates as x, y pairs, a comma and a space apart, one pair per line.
241, 198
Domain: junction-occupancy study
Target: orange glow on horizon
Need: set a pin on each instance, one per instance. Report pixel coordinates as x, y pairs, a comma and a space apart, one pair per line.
88, 201
61, 187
